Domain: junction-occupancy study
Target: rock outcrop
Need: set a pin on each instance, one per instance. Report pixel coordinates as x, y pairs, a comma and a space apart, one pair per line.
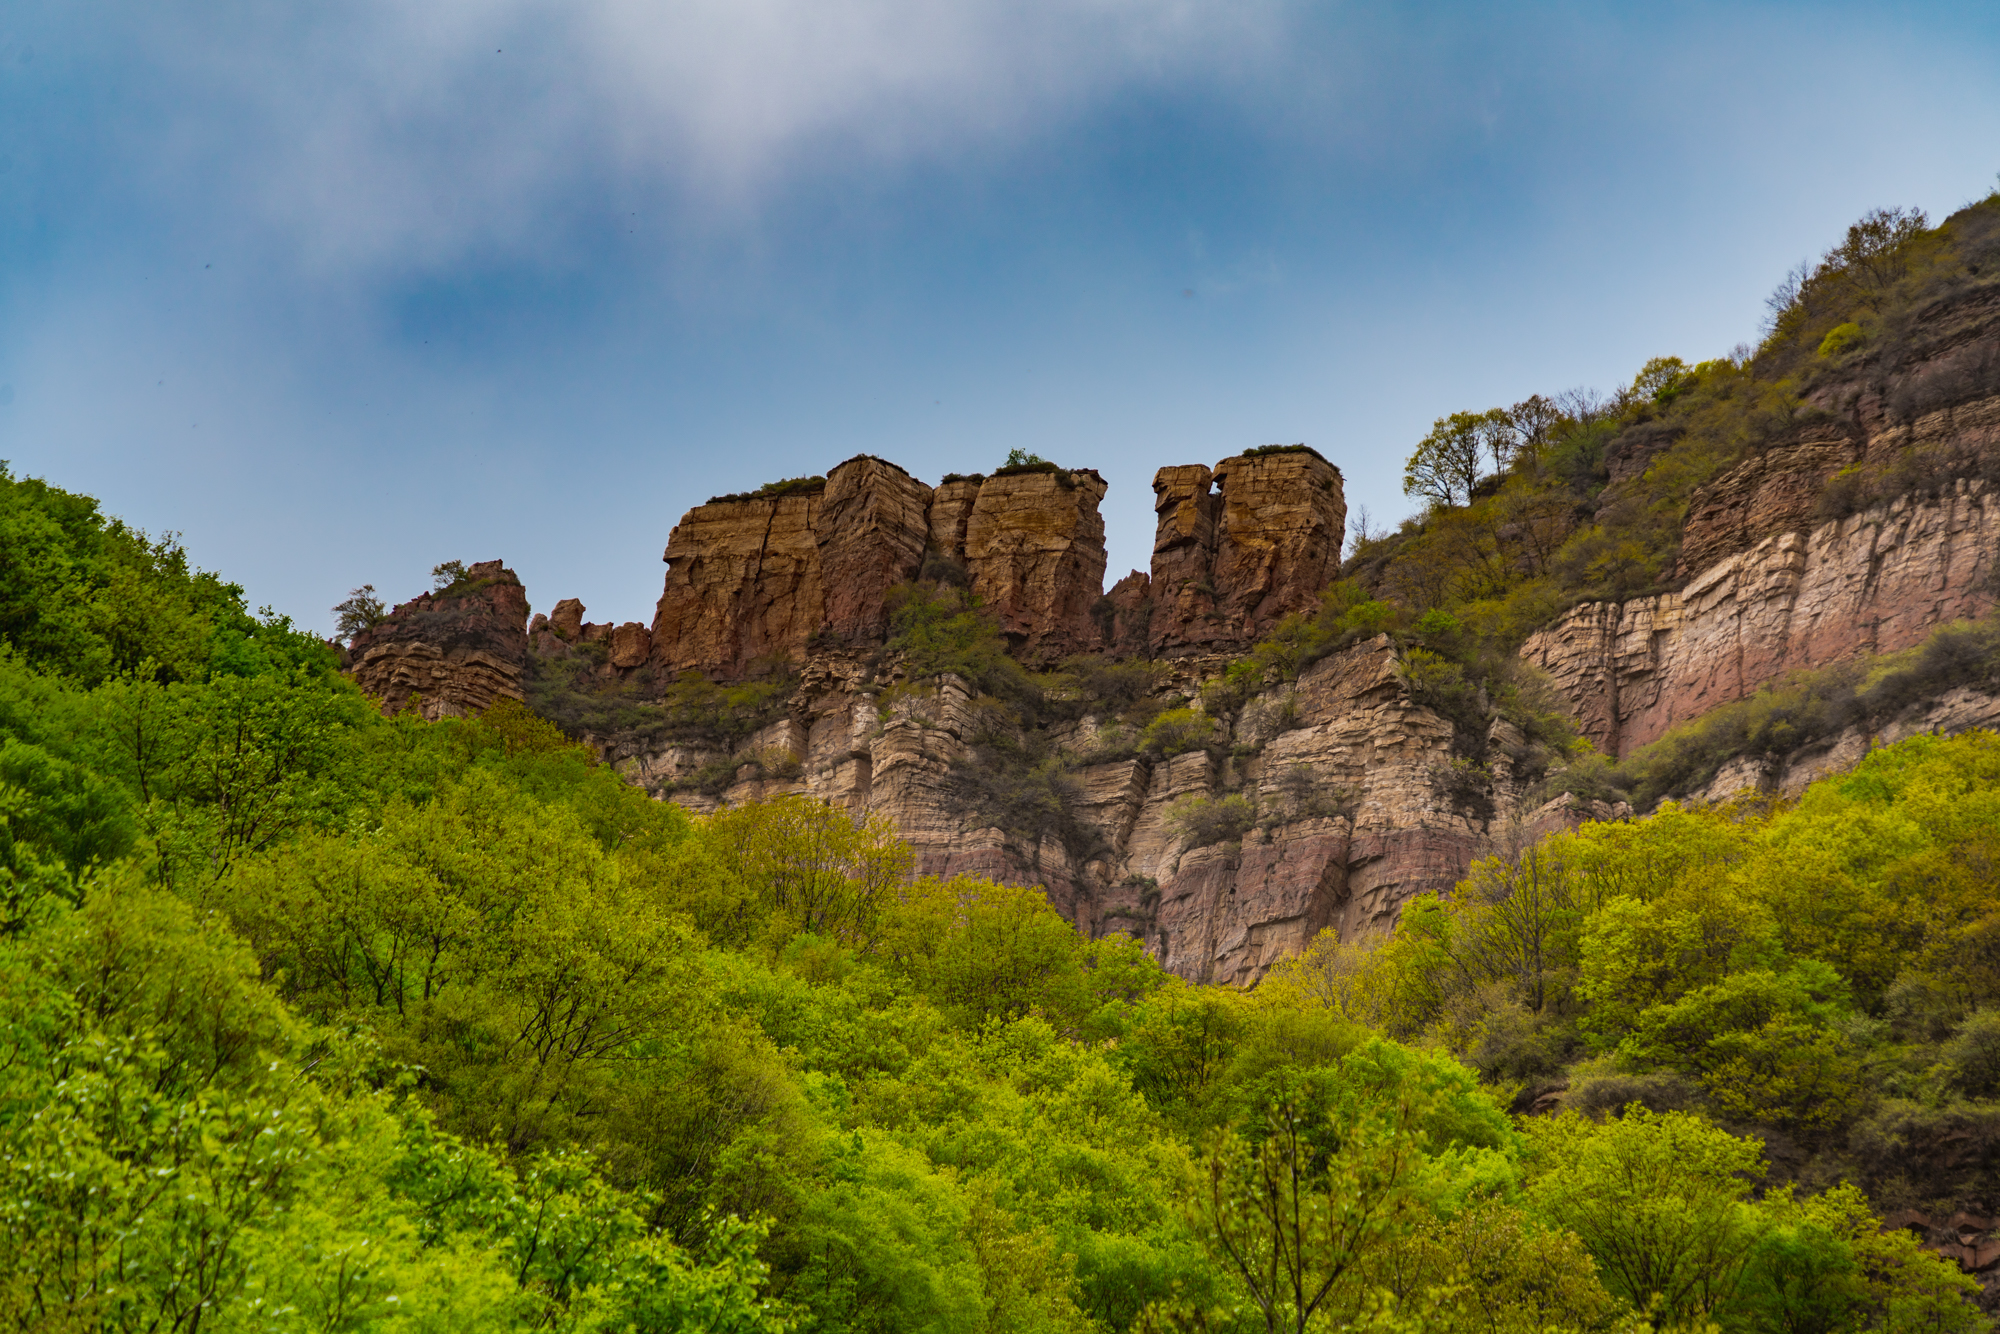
758, 580
743, 585
451, 653
1034, 548
1229, 564
1345, 771
1799, 597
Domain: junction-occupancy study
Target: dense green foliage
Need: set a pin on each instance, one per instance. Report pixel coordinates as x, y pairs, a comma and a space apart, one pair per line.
315, 1019
1818, 971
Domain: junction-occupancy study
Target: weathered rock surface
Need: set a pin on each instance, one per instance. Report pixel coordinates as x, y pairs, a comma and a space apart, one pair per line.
453, 654
871, 526
1125, 616
1354, 819
743, 584
1278, 540
1034, 547
762, 579
567, 619
1229, 564
1772, 493
1870, 583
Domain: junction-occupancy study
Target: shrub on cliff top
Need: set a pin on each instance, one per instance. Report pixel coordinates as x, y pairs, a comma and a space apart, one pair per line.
1261, 450
790, 486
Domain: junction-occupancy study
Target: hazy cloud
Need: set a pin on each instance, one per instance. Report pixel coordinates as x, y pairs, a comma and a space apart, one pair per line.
376, 132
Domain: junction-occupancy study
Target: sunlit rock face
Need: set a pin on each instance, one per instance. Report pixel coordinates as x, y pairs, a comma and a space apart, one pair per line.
1239, 548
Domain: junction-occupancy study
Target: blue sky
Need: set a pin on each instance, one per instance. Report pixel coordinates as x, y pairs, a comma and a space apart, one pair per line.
340, 291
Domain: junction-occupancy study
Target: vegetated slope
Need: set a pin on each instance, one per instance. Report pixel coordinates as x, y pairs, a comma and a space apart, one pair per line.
319, 1019
1710, 528
1610, 569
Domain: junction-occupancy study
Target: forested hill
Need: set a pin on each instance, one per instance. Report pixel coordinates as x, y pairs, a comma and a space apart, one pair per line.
319, 1019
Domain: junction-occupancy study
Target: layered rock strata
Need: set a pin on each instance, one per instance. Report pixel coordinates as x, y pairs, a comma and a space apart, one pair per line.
1343, 768
760, 579
1034, 547
1872, 582
450, 654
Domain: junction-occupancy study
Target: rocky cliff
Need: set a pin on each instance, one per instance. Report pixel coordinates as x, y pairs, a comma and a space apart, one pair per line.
1777, 587
757, 580
1239, 548
1267, 810
1339, 784
450, 653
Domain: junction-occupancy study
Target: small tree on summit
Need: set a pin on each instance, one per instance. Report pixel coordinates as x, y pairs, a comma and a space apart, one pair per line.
359, 611
1446, 465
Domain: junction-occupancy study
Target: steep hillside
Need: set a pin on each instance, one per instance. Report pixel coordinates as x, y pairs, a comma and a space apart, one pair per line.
1252, 740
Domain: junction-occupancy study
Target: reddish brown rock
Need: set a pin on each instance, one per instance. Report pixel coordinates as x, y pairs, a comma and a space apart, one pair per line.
451, 654
1774, 492
1034, 548
1125, 615
1278, 537
1184, 540
631, 645
951, 512
1230, 564
1874, 582
567, 619
743, 585
871, 527
757, 580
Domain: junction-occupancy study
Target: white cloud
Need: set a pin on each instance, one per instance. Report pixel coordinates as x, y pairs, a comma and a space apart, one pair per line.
403, 133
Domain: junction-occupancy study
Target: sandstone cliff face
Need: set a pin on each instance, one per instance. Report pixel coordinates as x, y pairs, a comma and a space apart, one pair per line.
1231, 563
870, 526
762, 579
454, 654
1034, 546
1354, 818
1780, 591
743, 584
1278, 541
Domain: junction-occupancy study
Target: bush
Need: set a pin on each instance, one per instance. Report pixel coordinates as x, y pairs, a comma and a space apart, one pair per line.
1839, 338
790, 486
1176, 732
1201, 821
1973, 1055
1261, 450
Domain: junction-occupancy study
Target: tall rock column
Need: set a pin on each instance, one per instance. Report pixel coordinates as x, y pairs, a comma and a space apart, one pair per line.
870, 526
1278, 537
1230, 564
1034, 546
1183, 589
759, 578
743, 584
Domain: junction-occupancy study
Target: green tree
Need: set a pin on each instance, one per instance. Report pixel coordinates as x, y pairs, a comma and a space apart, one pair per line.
1295, 1209
1658, 1200
1446, 466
